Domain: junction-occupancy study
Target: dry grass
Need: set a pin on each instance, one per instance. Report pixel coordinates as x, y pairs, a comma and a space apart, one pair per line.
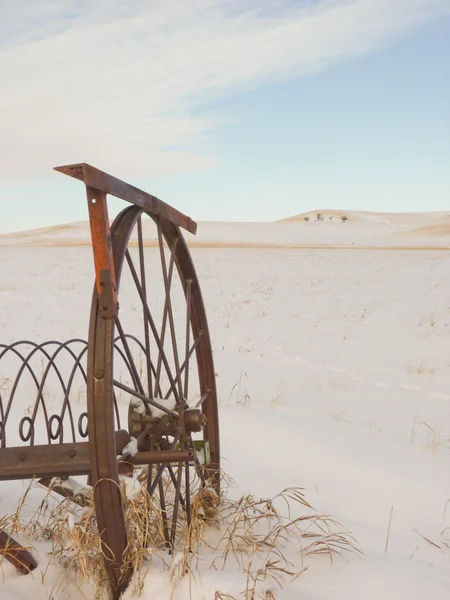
240, 398
420, 367
435, 439
266, 539
263, 540
440, 543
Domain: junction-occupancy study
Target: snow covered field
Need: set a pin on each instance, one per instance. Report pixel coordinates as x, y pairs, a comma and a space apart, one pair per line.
333, 375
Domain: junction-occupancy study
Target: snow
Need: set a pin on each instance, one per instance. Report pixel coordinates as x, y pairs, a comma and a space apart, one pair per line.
131, 485
131, 449
72, 486
169, 403
362, 229
138, 406
333, 375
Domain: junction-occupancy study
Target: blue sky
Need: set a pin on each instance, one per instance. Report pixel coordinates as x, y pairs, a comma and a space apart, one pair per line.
341, 104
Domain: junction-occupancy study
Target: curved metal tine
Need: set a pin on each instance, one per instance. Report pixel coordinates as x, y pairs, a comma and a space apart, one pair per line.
165, 313
144, 291
52, 363
134, 371
188, 337
169, 309
152, 325
26, 364
5, 412
66, 389
123, 356
183, 366
66, 401
40, 386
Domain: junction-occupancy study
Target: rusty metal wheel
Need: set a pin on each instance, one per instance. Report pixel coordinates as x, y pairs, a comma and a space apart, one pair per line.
168, 386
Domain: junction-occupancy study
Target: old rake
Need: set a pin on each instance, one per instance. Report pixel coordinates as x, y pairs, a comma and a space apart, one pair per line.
151, 360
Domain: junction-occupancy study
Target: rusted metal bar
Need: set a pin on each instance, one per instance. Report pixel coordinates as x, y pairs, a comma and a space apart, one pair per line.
57, 487
165, 456
54, 460
16, 554
100, 180
105, 276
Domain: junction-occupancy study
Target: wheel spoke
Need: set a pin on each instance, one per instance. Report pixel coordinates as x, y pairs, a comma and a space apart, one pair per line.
134, 371
199, 467
162, 503
160, 471
176, 505
188, 336
149, 477
146, 325
202, 399
164, 319
145, 400
157, 478
169, 310
172, 476
183, 366
152, 325
187, 494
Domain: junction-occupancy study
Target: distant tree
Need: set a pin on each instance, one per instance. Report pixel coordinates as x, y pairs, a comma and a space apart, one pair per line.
331, 218
319, 217
306, 218
344, 218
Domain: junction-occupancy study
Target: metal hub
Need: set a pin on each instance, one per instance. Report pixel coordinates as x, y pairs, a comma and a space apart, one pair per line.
151, 431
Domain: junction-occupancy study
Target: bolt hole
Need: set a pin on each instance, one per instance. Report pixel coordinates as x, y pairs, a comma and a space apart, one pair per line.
93, 200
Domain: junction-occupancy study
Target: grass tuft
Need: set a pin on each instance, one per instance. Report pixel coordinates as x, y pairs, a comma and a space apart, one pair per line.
267, 539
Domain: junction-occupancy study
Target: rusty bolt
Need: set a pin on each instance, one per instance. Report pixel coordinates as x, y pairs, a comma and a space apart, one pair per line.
22, 456
72, 453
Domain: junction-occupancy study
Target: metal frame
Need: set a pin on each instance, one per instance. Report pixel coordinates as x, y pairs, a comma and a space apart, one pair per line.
63, 459
103, 182
25, 462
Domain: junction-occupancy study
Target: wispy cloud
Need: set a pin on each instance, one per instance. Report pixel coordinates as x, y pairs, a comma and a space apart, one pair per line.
119, 83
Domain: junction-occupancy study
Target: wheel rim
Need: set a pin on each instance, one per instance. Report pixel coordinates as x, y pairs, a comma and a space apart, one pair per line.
169, 375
